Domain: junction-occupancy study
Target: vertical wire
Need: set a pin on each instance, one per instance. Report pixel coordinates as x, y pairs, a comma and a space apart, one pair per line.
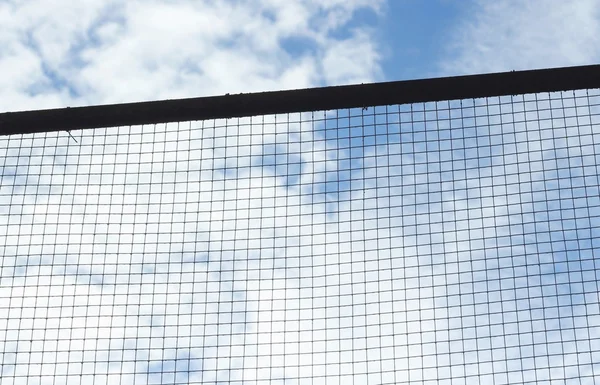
594, 270
420, 256
562, 209
553, 252
351, 187
196, 275
463, 179
470, 219
220, 254
285, 244
47, 340
480, 196
311, 188
246, 261
406, 211
73, 352
325, 286
106, 248
338, 203
129, 284
583, 270
531, 191
519, 233
260, 271
363, 241
430, 184
187, 358
378, 221
152, 316
563, 206
235, 253
65, 267
209, 259
93, 246
5, 361
537, 249
445, 248
501, 247
497, 235
390, 231
184, 308
49, 337
266, 225
91, 251
171, 252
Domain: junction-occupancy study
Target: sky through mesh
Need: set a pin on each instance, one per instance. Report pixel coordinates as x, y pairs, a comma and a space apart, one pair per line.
432, 243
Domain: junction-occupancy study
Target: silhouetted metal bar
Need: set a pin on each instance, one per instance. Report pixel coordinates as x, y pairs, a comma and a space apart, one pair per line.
313, 99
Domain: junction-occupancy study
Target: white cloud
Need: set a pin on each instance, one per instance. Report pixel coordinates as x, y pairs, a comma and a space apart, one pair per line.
183, 253
520, 35
517, 35
100, 52
352, 292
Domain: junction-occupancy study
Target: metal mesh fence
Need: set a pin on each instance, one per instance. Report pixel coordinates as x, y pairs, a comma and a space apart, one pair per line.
452, 242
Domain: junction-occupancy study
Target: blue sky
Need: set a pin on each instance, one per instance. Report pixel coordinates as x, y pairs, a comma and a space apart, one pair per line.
460, 251
182, 47
417, 33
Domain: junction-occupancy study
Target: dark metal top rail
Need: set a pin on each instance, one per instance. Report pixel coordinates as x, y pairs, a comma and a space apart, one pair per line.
313, 99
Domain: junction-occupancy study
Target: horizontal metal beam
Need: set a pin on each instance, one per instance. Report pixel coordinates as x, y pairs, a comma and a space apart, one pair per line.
313, 99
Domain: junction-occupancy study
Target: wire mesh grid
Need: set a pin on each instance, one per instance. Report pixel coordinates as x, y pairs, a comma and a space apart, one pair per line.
434, 243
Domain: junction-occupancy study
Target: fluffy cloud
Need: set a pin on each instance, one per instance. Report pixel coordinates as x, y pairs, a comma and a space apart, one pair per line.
110, 296
99, 52
268, 250
517, 35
